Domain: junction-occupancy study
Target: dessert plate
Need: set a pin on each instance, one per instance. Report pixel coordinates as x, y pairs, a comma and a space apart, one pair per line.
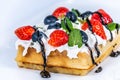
24, 12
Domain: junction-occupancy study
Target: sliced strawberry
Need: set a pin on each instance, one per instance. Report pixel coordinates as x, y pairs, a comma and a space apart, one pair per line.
58, 38
106, 18
60, 12
96, 28
84, 26
25, 32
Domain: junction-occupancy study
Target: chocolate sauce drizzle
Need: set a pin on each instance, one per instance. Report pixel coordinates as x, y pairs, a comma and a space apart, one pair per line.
96, 43
102, 21
99, 69
117, 28
37, 37
44, 73
115, 54
91, 54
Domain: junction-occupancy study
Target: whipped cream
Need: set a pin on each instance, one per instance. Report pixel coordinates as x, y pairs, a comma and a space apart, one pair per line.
26, 44
71, 51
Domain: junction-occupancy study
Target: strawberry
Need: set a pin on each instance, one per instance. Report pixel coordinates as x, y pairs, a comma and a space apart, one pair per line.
58, 38
60, 12
84, 26
96, 28
25, 32
105, 17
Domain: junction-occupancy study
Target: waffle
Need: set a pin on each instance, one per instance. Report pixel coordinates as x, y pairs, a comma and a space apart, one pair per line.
59, 62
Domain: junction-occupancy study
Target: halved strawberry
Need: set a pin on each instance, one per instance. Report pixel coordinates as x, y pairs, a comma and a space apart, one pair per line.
84, 26
60, 12
96, 28
106, 18
25, 32
58, 38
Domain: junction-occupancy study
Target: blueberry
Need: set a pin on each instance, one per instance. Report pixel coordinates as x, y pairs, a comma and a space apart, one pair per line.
54, 26
71, 16
50, 19
86, 14
37, 35
84, 36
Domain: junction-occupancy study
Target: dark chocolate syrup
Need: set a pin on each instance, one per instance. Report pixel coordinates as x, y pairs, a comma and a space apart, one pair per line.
91, 54
44, 73
96, 43
115, 54
117, 28
37, 36
99, 69
96, 48
102, 21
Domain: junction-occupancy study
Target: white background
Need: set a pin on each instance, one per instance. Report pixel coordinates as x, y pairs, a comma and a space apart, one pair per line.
15, 13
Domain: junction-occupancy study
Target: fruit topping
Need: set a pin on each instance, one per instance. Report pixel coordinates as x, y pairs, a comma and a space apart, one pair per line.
86, 14
38, 35
58, 38
60, 12
96, 28
84, 36
75, 38
25, 32
71, 16
50, 20
101, 15
55, 25
84, 26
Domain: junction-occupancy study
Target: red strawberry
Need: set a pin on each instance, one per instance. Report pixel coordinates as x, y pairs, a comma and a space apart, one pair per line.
25, 32
84, 26
96, 28
106, 18
60, 12
58, 38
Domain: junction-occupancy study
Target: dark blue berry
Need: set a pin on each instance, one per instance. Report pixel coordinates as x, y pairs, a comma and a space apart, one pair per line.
86, 14
35, 36
50, 19
38, 35
54, 26
84, 36
71, 16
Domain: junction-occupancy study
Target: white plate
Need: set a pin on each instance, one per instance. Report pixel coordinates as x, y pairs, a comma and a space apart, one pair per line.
16, 13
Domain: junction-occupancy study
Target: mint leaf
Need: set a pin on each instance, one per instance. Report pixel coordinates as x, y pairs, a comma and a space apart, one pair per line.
111, 26
69, 23
63, 25
75, 38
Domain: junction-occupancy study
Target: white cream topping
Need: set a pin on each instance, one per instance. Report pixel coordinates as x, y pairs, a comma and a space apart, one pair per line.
26, 44
72, 51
